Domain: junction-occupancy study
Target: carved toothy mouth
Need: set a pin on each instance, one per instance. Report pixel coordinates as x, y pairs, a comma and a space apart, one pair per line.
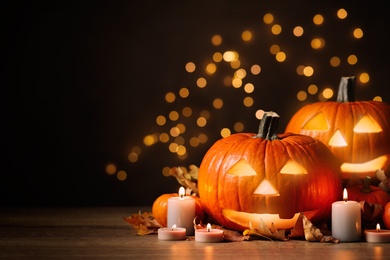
368, 168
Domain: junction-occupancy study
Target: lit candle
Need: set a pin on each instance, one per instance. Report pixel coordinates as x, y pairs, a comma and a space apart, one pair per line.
346, 220
208, 234
181, 211
377, 235
173, 233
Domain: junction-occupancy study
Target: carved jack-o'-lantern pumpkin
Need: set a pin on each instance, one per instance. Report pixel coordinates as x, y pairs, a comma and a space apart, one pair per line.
357, 132
246, 178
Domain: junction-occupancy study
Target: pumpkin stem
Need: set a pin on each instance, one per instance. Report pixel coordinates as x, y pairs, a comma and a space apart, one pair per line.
268, 128
366, 185
346, 92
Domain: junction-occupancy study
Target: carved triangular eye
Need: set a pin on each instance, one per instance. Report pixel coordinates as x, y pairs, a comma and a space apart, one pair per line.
337, 140
242, 168
367, 125
266, 188
317, 122
292, 167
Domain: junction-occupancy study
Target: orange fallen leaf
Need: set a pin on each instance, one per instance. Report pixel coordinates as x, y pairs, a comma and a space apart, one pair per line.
265, 232
314, 234
143, 223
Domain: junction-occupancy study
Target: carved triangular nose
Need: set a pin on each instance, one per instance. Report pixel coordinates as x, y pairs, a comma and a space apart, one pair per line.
337, 140
266, 188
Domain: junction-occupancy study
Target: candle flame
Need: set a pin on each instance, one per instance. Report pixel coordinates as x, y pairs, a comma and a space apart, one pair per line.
378, 227
174, 226
181, 192
208, 227
345, 195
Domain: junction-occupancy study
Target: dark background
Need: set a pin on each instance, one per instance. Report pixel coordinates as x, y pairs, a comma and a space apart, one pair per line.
83, 81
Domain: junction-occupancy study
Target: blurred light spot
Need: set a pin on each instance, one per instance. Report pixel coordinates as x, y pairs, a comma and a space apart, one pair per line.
181, 150
201, 121
342, 13
194, 141
268, 18
327, 93
211, 68
300, 69
227, 81
318, 43
173, 115
312, 89
132, 157
230, 56
166, 171
249, 88
173, 147
205, 113
136, 149
190, 67
110, 169
235, 64
364, 77
175, 131
352, 59
259, 114
161, 120
358, 33
150, 140
298, 31
201, 82
164, 137
276, 29
377, 98
255, 69
216, 40
184, 92
217, 103
335, 61
318, 19
274, 49
182, 157
121, 175
217, 57
301, 96
179, 140
237, 82
202, 138
248, 101
246, 36
182, 128
280, 56
225, 132
238, 127
241, 73
170, 97
187, 111
308, 71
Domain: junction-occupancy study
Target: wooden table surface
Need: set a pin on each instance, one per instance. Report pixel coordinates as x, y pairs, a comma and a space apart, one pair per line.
101, 233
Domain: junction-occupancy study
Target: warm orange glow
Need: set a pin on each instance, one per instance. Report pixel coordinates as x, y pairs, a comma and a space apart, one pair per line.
230, 56
292, 167
216, 40
208, 227
378, 227
242, 168
337, 140
266, 188
367, 125
182, 192
345, 194
298, 31
370, 166
225, 132
318, 122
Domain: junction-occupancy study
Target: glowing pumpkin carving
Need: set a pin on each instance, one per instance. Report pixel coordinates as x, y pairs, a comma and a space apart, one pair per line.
357, 132
246, 178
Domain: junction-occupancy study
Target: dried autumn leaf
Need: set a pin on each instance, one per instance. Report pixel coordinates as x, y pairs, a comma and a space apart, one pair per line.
144, 223
233, 236
314, 234
187, 179
297, 231
265, 232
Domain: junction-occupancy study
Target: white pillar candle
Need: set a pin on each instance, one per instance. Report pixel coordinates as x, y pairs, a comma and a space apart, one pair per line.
173, 233
346, 220
208, 235
181, 212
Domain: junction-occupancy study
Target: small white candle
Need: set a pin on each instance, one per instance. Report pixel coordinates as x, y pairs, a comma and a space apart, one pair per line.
346, 220
181, 211
377, 235
210, 235
173, 233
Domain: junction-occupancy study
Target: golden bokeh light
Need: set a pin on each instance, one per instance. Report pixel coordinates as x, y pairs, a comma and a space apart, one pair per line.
352, 59
335, 61
121, 175
358, 33
276, 29
190, 67
216, 40
238, 127
170, 97
150, 140
298, 31
217, 103
194, 141
211, 68
317, 43
186, 111
255, 69
230, 56
132, 157
342, 13
280, 56
174, 132
259, 114
237, 82
201, 82
248, 101
312, 89
301, 95
110, 169
166, 171
203, 138
249, 88
217, 57
206, 114
308, 71
327, 93
274, 49
246, 36
318, 19
225, 132
164, 137
364, 77
173, 115
201, 121
184, 92
268, 18
161, 120
377, 98
300, 69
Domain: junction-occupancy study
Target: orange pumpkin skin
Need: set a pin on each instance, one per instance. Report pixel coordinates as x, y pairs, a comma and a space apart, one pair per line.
343, 115
160, 208
220, 189
386, 215
376, 195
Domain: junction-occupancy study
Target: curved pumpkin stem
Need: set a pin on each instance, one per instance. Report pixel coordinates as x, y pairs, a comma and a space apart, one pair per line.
269, 124
366, 185
346, 92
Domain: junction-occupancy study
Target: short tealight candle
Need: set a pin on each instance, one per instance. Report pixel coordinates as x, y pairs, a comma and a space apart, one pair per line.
377, 235
208, 235
173, 233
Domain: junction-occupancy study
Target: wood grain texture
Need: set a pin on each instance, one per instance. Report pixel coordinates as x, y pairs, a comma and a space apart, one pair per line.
101, 233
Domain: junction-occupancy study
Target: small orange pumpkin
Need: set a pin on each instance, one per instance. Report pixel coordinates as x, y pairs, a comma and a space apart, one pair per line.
369, 193
160, 208
386, 215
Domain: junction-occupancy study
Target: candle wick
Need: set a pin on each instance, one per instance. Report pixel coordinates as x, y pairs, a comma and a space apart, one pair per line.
181, 196
345, 199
